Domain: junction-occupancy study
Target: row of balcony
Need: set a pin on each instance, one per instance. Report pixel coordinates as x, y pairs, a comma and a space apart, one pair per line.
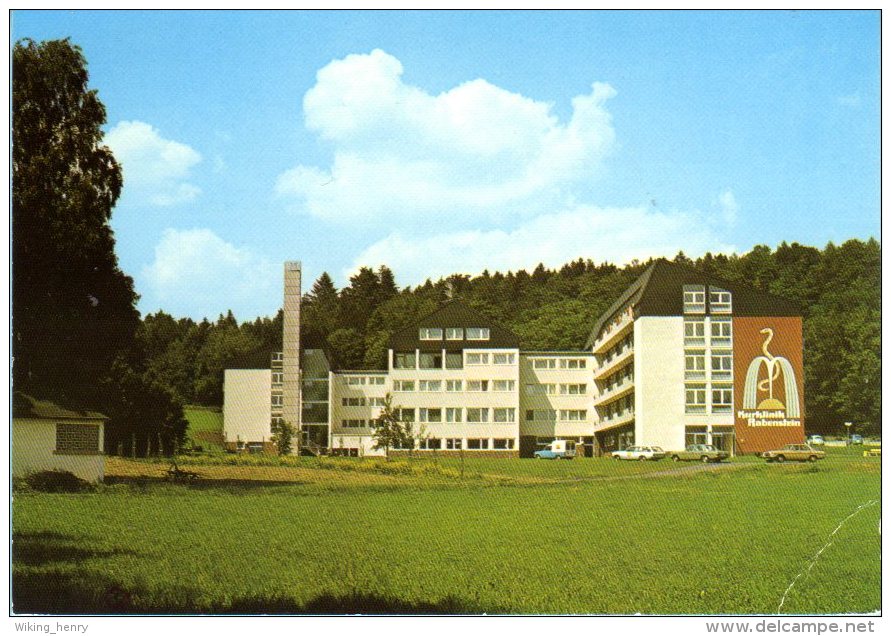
617, 362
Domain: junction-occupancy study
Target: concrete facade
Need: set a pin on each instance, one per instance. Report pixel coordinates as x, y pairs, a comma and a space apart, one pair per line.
247, 407
291, 378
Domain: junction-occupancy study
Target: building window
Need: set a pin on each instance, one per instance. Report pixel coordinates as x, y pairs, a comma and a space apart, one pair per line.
454, 333
694, 299
722, 398
404, 415
353, 401
504, 358
541, 389
544, 363
572, 363
695, 435
454, 385
503, 385
694, 331
278, 356
379, 380
430, 444
504, 415
404, 360
403, 385
694, 365
478, 386
573, 415
695, 398
573, 389
453, 443
278, 377
354, 380
477, 333
477, 358
722, 366
430, 333
376, 401
354, 423
541, 415
454, 360
722, 332
477, 444
77, 439
277, 400
453, 415
431, 360
503, 444
477, 415
430, 415
429, 385
719, 301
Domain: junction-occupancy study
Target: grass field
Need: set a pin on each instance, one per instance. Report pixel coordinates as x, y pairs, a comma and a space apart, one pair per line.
205, 426
512, 536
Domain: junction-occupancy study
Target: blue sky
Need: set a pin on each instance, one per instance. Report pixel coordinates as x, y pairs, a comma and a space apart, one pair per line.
440, 142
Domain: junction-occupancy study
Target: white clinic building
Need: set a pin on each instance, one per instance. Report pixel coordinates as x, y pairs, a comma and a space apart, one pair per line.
669, 364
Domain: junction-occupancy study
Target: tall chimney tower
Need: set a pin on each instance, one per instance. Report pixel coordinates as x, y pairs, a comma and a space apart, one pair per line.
291, 349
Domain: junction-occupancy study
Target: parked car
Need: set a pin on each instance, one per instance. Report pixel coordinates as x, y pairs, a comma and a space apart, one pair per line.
704, 453
639, 453
855, 440
816, 440
558, 449
794, 452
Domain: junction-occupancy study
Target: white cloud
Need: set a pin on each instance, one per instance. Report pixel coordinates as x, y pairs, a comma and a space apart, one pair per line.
602, 234
729, 207
196, 273
474, 150
155, 169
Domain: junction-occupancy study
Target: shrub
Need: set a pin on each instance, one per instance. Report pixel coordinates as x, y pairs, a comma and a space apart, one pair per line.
57, 481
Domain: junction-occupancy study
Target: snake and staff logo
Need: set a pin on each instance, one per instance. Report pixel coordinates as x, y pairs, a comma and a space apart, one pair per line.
770, 396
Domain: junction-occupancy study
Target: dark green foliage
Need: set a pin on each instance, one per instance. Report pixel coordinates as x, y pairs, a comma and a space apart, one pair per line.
56, 481
146, 418
73, 308
346, 348
282, 436
391, 432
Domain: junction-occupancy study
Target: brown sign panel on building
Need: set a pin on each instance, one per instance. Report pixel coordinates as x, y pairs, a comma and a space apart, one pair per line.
768, 383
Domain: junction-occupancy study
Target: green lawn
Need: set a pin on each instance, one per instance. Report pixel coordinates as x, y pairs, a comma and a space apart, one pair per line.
205, 426
519, 536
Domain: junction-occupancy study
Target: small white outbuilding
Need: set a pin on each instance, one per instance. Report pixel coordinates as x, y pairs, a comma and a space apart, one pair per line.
46, 436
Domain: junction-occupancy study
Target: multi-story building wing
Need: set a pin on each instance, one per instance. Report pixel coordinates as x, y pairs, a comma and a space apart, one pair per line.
356, 398
556, 399
456, 375
678, 364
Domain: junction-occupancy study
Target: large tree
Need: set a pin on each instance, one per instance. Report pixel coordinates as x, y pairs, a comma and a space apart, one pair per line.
73, 309
74, 317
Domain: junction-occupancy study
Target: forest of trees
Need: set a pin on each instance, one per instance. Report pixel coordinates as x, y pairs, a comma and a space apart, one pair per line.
838, 289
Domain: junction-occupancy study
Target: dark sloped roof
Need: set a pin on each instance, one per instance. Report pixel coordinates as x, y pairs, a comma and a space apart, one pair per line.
632, 295
659, 291
25, 406
454, 313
